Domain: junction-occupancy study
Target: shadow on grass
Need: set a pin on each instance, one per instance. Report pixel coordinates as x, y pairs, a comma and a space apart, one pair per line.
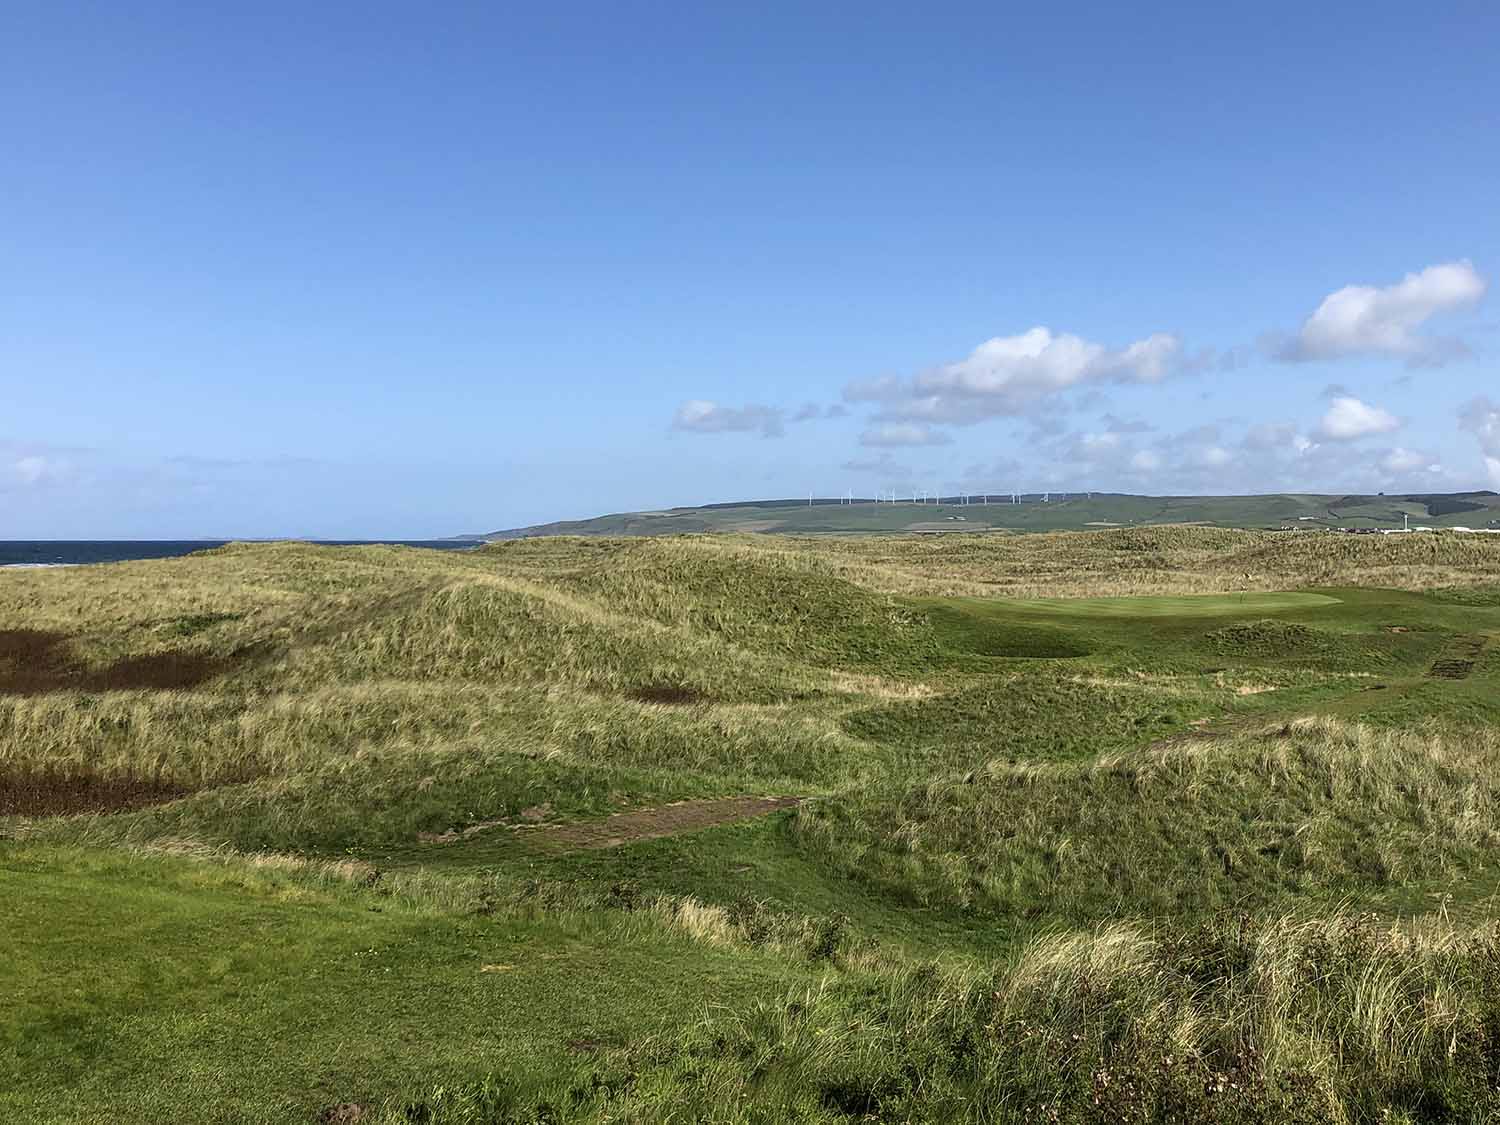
52, 793
37, 662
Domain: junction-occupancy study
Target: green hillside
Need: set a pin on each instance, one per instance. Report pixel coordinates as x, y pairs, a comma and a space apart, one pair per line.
1040, 512
1140, 824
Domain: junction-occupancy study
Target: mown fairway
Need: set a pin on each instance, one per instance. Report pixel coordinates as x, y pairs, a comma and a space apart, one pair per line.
1155, 824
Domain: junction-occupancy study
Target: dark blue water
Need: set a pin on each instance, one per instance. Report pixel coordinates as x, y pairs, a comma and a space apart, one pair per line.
72, 552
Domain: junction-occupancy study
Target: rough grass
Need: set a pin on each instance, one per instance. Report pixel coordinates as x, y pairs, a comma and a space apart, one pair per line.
1163, 855
1243, 1020
1313, 809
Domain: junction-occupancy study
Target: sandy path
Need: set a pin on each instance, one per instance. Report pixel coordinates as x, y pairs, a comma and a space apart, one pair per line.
639, 824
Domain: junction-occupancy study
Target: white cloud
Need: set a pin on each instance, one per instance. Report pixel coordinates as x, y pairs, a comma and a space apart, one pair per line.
1348, 418
1276, 437
1365, 320
701, 416
1232, 457
1403, 462
32, 470
893, 434
1015, 371
1010, 375
1481, 417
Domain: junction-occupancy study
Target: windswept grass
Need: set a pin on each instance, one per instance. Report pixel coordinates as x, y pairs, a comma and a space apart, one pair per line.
1159, 824
1312, 809
1285, 1019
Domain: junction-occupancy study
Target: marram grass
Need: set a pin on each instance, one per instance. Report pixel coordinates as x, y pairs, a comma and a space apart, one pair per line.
1220, 859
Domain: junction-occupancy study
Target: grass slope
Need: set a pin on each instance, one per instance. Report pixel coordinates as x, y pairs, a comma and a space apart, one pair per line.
1184, 824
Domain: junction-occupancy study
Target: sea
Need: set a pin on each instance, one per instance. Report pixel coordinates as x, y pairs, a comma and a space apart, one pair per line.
82, 552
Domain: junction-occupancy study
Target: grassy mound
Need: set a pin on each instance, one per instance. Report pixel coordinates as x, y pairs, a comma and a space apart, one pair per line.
1282, 1020
1270, 638
1093, 813
962, 632
1023, 720
1313, 809
788, 604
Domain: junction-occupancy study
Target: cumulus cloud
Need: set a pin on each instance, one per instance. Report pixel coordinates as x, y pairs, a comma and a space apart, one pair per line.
1361, 320
1349, 418
892, 434
1011, 375
700, 416
1481, 417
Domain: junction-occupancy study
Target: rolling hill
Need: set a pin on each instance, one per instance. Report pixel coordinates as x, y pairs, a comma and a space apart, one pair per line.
1038, 512
1164, 824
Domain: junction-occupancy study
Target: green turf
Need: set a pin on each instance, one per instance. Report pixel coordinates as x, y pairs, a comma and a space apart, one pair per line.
265, 998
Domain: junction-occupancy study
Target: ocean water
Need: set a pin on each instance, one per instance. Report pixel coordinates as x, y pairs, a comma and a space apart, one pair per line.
79, 552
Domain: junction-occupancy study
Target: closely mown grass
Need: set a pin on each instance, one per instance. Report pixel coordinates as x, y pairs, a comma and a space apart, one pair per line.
1065, 860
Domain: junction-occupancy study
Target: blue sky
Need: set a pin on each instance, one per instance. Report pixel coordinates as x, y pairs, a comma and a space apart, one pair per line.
399, 270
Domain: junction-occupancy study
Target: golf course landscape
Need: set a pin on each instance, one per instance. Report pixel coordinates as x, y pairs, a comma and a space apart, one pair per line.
1157, 823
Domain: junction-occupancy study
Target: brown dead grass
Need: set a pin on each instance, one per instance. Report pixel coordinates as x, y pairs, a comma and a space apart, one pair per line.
51, 793
628, 827
651, 824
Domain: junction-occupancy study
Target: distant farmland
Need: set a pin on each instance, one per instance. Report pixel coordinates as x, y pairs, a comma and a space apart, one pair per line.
1073, 511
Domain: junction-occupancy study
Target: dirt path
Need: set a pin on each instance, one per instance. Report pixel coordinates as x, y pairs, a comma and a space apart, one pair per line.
641, 824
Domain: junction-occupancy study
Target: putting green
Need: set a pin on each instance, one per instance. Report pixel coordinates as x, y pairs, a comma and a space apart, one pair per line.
1195, 605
